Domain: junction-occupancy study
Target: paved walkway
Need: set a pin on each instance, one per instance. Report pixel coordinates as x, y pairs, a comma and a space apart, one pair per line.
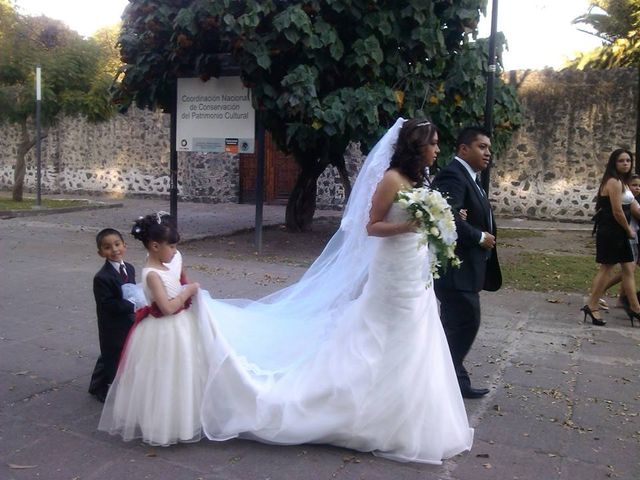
563, 404
200, 220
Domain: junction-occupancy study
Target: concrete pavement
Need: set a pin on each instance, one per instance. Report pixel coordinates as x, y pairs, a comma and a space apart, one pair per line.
564, 395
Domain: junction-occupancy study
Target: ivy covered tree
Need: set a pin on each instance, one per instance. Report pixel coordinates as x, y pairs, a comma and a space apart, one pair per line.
74, 79
323, 73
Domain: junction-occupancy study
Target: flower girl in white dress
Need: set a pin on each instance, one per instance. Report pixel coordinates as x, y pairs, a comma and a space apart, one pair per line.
157, 392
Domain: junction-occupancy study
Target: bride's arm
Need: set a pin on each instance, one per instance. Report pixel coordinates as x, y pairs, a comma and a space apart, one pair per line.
381, 203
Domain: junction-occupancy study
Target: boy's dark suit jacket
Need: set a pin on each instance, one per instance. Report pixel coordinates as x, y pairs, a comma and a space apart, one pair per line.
115, 317
480, 269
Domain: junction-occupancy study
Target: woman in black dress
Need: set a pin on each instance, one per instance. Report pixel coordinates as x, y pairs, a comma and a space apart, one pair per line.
612, 236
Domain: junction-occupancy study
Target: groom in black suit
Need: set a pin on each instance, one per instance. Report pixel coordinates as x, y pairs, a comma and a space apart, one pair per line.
458, 288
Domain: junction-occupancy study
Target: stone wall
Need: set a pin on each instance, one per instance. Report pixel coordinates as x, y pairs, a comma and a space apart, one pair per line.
128, 155
572, 121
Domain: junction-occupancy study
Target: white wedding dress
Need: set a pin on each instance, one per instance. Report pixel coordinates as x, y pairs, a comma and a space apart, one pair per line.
353, 354
374, 374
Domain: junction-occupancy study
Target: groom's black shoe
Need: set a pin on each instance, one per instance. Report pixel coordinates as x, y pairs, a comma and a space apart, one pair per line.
470, 392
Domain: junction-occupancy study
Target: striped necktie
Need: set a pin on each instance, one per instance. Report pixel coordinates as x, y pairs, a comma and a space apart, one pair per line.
123, 273
479, 184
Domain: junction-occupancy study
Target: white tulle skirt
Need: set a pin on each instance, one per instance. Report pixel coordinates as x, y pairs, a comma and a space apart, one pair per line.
158, 390
375, 375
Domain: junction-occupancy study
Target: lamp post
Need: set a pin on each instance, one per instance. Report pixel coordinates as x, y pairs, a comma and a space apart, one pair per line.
38, 139
488, 106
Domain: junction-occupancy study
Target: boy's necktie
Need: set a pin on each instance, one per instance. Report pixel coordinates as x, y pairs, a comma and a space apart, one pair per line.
123, 273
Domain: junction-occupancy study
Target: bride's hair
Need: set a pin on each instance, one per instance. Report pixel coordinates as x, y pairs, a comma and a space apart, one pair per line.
157, 227
407, 157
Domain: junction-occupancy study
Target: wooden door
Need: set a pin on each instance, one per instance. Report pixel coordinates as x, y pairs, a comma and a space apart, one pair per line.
280, 173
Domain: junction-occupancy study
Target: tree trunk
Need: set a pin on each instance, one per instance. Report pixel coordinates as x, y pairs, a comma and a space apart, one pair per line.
344, 176
25, 145
301, 205
302, 202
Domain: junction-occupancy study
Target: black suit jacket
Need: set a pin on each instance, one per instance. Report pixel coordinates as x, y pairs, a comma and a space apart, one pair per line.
114, 312
115, 317
480, 269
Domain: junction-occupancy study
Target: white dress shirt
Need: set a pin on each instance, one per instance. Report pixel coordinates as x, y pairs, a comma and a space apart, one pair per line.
116, 265
473, 175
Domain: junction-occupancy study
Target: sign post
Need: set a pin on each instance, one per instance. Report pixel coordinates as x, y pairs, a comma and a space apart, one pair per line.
216, 116
259, 181
173, 162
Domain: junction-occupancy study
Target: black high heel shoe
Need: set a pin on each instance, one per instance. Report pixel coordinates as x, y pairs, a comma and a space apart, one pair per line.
594, 320
632, 314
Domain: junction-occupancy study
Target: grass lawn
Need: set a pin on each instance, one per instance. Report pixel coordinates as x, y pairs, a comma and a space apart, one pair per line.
545, 272
7, 204
544, 261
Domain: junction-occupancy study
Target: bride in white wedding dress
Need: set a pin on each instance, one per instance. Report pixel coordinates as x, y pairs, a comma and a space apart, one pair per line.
353, 354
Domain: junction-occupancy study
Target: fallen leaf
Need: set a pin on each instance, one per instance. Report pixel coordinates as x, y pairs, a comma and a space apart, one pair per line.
487, 465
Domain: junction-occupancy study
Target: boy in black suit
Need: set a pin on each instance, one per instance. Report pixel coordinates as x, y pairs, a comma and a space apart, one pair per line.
115, 314
458, 288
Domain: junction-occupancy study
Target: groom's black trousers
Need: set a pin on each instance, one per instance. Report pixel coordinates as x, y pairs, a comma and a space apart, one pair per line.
460, 316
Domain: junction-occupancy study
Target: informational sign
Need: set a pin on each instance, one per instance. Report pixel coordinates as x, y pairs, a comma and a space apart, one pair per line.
214, 116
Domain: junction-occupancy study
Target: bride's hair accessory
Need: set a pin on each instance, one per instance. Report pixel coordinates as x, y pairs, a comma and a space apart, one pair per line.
408, 157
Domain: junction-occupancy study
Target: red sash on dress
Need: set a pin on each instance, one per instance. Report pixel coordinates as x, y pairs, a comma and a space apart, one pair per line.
154, 311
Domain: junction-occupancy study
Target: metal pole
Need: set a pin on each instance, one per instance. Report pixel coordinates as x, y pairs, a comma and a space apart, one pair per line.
488, 107
38, 138
173, 162
259, 178
638, 122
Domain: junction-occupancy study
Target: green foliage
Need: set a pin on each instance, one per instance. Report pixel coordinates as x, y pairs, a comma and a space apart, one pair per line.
617, 23
73, 78
322, 72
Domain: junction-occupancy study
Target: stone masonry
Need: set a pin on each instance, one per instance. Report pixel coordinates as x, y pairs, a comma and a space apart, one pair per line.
551, 170
573, 120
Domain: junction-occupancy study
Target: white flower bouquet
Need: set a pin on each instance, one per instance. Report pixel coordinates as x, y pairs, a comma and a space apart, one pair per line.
431, 212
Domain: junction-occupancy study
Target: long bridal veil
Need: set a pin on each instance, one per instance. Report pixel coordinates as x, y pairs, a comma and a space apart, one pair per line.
277, 332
